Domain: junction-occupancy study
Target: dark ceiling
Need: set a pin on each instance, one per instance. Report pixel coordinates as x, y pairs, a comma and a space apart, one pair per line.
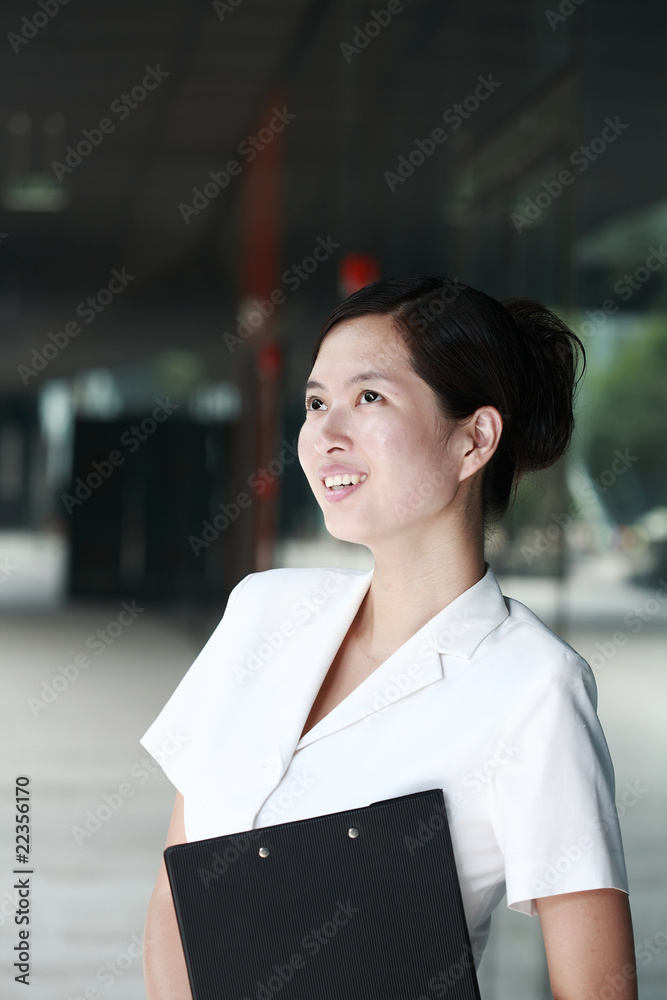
222, 64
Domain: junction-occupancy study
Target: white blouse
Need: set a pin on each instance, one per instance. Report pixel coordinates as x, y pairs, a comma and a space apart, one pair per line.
484, 701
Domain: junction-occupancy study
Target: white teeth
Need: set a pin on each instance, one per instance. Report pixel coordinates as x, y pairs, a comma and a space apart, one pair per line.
345, 480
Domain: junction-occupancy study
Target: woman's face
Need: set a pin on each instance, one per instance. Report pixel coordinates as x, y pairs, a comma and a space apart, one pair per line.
384, 428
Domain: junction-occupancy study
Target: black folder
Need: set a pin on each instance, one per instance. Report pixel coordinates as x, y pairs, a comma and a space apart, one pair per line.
352, 905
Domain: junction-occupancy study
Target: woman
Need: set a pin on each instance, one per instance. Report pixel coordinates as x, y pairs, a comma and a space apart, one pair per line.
426, 402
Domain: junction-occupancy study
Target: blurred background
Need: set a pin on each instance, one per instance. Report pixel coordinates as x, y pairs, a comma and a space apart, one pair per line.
186, 190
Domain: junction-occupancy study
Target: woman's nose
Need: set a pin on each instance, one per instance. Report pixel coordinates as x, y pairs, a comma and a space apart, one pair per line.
333, 431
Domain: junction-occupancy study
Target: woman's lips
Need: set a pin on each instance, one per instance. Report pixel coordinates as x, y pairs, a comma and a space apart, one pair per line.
336, 493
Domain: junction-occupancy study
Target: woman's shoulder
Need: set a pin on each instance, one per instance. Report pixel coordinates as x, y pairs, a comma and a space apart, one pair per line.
538, 652
279, 588
532, 627
298, 578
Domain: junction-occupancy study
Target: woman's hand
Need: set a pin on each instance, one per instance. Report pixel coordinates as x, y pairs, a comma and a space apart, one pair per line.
589, 944
165, 972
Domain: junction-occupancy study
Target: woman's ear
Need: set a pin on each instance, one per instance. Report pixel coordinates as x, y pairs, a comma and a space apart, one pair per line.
481, 435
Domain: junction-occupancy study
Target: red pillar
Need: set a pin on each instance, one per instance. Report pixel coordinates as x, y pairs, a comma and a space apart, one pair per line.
259, 276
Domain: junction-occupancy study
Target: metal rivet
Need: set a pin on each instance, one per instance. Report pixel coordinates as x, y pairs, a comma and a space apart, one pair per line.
353, 832
263, 852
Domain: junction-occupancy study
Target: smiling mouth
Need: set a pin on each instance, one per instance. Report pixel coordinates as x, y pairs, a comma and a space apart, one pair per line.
340, 481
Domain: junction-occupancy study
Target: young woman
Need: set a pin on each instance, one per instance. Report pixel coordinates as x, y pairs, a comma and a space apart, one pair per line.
325, 689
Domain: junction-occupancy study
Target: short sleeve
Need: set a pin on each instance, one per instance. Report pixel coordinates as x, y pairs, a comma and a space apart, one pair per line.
554, 812
174, 739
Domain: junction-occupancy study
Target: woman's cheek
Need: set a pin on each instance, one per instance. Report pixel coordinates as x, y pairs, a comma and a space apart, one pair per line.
386, 439
304, 448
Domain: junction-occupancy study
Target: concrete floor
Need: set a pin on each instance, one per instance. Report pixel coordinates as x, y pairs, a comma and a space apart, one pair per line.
90, 890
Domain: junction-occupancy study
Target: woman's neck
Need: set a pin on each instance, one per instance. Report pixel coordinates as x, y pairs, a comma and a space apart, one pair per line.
412, 582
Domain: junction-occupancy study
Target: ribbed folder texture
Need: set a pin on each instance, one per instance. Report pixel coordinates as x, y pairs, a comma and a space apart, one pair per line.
327, 916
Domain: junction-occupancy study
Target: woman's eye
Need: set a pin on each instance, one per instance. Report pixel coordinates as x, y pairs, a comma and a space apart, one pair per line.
315, 403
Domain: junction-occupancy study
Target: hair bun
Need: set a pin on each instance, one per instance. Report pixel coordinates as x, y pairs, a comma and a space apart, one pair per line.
544, 426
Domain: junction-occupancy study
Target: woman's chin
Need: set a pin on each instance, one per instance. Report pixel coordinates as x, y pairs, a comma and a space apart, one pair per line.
356, 534
346, 536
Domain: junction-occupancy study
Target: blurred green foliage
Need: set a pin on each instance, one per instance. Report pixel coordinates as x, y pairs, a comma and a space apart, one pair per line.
624, 408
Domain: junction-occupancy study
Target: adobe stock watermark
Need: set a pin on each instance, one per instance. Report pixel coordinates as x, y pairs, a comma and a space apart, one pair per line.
249, 148
447, 633
220, 862
426, 830
275, 809
443, 980
222, 7
88, 310
436, 306
312, 942
97, 642
581, 158
558, 866
473, 781
415, 496
131, 439
302, 611
544, 540
9, 905
113, 970
650, 947
363, 35
112, 802
635, 619
626, 799
454, 116
7, 567
406, 680
478, 777
259, 482
400, 684
569, 855
121, 106
565, 9
645, 952
625, 288
293, 277
30, 26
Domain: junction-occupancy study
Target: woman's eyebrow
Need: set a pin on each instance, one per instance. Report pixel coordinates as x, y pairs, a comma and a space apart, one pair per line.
371, 373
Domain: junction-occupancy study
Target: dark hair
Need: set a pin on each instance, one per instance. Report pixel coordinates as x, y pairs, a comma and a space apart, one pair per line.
473, 350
